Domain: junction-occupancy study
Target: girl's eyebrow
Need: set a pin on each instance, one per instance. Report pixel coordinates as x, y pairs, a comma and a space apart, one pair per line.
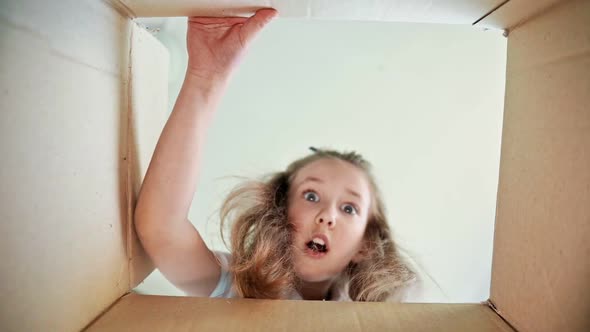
309, 179
314, 179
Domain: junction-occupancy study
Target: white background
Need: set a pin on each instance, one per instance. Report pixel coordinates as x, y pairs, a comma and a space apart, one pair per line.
422, 102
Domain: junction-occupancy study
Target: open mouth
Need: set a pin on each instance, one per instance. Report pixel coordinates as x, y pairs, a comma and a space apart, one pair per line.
317, 245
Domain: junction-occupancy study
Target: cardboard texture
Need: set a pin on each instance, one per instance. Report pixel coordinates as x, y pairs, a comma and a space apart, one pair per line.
161, 313
513, 13
63, 140
442, 11
73, 157
541, 265
148, 98
84, 101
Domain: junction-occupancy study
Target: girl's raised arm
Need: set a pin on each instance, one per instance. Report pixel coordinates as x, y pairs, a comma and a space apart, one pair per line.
215, 47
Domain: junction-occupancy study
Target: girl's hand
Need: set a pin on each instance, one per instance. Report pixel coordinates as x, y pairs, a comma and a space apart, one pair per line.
216, 45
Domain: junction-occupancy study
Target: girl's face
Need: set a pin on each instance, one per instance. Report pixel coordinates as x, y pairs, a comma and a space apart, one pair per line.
329, 201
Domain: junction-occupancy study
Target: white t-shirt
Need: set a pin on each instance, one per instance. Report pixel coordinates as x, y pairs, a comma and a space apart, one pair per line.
224, 287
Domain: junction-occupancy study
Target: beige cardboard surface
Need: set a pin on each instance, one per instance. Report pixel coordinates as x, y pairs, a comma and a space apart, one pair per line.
73, 157
442, 11
62, 143
166, 313
515, 12
541, 265
148, 114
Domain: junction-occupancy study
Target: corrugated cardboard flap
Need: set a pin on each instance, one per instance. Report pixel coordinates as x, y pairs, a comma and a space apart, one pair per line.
541, 267
148, 112
515, 12
166, 313
443, 11
63, 142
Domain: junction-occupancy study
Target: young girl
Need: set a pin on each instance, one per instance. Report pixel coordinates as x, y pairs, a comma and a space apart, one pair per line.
316, 231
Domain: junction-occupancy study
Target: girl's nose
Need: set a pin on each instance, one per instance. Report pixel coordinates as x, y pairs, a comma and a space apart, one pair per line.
326, 218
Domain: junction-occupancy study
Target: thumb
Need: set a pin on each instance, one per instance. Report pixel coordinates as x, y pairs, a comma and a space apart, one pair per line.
255, 23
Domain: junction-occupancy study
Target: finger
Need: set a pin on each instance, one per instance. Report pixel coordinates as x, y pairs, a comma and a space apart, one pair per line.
217, 20
255, 23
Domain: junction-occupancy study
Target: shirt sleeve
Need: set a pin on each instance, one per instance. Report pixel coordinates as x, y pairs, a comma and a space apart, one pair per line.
223, 288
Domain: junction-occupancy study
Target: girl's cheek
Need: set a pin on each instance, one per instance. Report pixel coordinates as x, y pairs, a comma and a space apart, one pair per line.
295, 227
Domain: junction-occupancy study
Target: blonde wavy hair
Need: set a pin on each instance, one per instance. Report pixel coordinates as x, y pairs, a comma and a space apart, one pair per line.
261, 241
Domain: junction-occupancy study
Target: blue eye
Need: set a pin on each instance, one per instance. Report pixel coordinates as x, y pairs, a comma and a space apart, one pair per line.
350, 209
311, 196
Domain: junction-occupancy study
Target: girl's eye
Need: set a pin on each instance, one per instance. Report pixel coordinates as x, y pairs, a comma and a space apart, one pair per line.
311, 196
350, 209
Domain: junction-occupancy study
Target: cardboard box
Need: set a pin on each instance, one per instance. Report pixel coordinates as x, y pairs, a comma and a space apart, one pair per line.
83, 103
